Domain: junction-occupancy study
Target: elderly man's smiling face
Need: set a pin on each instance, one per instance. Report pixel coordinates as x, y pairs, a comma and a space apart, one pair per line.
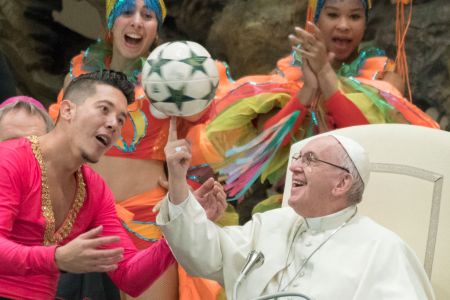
314, 182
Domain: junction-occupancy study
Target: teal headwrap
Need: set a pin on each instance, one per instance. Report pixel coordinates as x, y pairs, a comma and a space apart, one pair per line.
115, 8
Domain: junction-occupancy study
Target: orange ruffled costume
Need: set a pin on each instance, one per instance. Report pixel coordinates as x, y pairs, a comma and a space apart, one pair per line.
257, 118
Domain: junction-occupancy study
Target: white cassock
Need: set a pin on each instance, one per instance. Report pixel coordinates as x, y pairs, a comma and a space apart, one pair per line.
360, 260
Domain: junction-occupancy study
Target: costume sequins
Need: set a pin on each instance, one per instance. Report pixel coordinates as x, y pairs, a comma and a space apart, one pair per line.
51, 235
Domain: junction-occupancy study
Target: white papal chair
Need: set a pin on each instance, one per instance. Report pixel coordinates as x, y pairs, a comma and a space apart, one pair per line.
408, 190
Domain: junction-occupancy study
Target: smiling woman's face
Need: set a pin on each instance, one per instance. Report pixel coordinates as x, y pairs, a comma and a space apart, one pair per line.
134, 31
342, 23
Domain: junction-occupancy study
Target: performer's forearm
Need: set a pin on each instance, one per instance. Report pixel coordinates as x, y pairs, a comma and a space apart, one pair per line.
343, 111
137, 274
17, 259
306, 95
328, 81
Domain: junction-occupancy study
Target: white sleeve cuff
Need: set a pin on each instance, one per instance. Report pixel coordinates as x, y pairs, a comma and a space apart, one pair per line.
176, 209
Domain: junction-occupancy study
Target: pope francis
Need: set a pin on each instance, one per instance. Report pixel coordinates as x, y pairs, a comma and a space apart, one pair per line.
319, 246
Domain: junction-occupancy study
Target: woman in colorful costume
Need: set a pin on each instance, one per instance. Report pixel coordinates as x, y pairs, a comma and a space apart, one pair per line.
327, 83
134, 165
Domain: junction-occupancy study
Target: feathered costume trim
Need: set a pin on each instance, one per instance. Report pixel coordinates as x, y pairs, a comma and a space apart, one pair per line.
251, 150
98, 57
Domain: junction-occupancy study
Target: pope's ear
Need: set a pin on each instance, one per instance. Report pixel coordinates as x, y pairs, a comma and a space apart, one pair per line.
67, 109
344, 184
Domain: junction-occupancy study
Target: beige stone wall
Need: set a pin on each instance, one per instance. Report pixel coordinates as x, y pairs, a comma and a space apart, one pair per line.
81, 17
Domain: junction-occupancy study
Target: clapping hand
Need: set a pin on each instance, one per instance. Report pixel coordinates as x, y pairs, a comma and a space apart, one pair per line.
310, 80
318, 73
313, 47
309, 77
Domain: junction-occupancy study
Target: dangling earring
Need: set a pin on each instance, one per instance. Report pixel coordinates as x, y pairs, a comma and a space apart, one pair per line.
109, 35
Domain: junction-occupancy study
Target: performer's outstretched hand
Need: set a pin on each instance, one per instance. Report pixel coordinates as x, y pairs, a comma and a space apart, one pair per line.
178, 158
84, 254
212, 197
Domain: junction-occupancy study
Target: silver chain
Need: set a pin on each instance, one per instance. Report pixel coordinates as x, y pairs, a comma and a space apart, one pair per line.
312, 253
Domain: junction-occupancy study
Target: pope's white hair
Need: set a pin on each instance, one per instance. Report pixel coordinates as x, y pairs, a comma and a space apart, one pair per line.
356, 191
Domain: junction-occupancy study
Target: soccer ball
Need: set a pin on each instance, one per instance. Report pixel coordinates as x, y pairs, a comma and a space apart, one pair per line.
180, 78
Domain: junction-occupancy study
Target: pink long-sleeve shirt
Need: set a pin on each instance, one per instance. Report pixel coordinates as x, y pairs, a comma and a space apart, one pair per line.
27, 267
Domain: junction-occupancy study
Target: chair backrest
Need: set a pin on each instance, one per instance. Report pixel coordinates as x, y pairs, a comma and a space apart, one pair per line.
408, 190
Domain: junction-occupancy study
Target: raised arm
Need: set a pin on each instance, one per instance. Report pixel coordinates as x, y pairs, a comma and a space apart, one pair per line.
317, 58
321, 79
197, 242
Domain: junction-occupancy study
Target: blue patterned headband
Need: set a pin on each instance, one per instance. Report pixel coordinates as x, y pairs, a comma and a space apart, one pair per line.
317, 5
115, 8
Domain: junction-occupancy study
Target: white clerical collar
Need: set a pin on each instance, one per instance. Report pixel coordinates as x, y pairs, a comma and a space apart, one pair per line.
330, 221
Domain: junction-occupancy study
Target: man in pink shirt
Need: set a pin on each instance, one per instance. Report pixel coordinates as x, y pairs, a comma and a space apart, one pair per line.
56, 214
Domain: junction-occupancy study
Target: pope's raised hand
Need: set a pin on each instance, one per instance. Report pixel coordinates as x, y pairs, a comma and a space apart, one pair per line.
178, 158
